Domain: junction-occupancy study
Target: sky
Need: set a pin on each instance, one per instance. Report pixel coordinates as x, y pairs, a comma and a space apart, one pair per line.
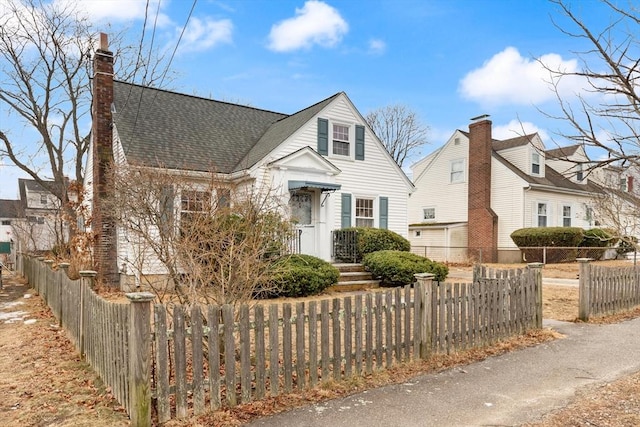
447, 60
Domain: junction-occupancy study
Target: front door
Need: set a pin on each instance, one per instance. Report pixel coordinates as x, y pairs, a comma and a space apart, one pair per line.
302, 204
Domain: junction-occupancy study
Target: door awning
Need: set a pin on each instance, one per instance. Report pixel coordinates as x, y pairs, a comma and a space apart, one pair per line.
322, 186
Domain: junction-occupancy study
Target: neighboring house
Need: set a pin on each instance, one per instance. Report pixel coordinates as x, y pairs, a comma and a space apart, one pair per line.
9, 217
324, 159
42, 225
474, 191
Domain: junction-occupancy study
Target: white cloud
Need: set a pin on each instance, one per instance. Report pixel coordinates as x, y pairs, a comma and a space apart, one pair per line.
377, 47
202, 34
316, 23
510, 78
119, 10
517, 128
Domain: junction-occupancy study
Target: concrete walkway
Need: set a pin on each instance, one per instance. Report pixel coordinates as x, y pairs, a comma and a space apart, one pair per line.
506, 390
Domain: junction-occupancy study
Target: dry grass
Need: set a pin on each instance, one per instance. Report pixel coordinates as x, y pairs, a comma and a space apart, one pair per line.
43, 380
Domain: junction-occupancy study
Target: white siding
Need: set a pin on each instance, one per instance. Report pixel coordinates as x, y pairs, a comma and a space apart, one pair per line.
507, 198
376, 176
433, 188
554, 202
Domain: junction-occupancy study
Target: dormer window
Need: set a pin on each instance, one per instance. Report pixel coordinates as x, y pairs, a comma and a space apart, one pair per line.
535, 163
579, 173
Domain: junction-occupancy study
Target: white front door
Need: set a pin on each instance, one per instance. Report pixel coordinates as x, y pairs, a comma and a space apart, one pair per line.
302, 212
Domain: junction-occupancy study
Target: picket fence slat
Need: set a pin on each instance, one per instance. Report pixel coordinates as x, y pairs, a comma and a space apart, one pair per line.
197, 360
180, 361
213, 341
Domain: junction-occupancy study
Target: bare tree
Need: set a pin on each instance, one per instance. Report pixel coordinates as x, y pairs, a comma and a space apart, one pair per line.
199, 240
399, 129
45, 69
606, 117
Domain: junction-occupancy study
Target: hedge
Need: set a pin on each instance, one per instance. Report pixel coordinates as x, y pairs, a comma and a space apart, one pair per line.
299, 276
596, 238
569, 237
397, 268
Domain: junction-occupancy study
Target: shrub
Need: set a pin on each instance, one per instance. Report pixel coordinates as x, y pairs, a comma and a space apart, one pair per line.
627, 244
375, 239
596, 238
397, 268
565, 237
299, 276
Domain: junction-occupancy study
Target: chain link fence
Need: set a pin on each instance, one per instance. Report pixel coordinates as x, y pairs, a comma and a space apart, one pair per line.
546, 254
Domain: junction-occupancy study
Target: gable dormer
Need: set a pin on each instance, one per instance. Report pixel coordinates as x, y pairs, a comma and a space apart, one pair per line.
536, 162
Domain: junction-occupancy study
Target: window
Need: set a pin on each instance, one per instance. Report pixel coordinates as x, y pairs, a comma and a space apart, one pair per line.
224, 197
300, 204
588, 214
535, 163
429, 214
623, 184
364, 212
542, 214
341, 140
417, 233
566, 216
457, 171
35, 219
43, 199
193, 203
6, 222
579, 173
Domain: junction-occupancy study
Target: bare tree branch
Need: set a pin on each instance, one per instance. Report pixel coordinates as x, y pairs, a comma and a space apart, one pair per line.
399, 129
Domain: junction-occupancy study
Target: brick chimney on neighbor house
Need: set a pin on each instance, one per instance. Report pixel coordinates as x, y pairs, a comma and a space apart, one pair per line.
483, 221
103, 222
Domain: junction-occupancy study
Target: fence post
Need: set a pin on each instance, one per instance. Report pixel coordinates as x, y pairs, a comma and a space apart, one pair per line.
584, 292
86, 281
45, 282
140, 358
535, 275
425, 281
65, 268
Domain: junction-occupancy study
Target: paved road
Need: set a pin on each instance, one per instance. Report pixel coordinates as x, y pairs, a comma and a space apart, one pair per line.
511, 389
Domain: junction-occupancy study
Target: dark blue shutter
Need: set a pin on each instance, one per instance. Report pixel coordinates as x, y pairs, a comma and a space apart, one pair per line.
323, 136
166, 210
346, 210
384, 212
359, 142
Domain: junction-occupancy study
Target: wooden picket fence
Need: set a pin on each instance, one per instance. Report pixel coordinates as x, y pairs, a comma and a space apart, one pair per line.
186, 360
99, 329
498, 304
248, 353
607, 290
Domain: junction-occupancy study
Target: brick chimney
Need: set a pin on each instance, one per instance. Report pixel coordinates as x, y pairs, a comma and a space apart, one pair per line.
482, 220
103, 223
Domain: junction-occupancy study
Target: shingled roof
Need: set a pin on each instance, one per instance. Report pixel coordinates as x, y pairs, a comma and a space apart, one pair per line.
552, 178
562, 152
178, 131
504, 144
10, 208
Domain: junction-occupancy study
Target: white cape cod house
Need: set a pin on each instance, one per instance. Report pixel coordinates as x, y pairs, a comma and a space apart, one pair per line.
323, 159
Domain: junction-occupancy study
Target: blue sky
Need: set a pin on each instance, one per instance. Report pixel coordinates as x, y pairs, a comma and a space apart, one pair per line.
448, 60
